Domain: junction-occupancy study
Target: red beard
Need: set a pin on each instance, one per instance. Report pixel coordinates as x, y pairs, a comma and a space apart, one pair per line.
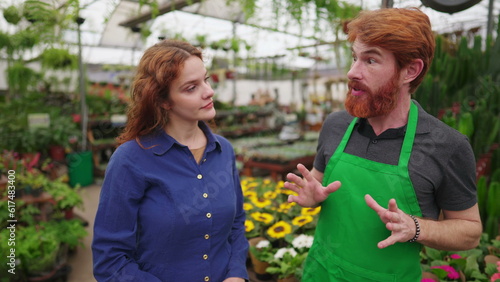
372, 103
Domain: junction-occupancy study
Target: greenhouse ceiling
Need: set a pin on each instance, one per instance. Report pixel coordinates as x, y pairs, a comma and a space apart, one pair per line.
108, 37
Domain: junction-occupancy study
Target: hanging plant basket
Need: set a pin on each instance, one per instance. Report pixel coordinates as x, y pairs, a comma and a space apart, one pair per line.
55, 58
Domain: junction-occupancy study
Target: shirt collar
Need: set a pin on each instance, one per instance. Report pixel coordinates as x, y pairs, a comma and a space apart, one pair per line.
423, 126
160, 142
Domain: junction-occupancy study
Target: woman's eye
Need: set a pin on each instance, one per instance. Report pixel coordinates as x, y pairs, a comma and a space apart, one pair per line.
191, 88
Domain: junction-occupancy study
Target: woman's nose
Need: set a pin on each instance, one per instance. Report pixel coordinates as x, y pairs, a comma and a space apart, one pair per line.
209, 91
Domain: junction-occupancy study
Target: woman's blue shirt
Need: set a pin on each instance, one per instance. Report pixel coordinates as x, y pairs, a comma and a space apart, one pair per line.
164, 217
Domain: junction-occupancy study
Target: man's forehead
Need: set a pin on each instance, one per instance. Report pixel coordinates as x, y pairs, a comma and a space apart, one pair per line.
359, 47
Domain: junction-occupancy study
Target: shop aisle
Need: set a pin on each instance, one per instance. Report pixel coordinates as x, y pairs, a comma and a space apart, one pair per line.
81, 260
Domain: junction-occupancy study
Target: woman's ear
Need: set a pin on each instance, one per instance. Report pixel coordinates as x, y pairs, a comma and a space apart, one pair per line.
166, 106
413, 70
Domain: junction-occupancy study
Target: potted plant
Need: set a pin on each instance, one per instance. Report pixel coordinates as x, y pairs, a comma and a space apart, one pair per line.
66, 198
287, 263
260, 252
32, 183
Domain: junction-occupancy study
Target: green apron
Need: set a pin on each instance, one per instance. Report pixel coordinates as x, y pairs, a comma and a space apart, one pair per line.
345, 242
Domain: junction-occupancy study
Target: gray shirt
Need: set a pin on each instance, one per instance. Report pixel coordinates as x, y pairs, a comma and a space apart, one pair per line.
442, 164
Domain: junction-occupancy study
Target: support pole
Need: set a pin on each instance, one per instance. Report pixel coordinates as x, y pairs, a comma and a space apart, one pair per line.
489, 28
81, 74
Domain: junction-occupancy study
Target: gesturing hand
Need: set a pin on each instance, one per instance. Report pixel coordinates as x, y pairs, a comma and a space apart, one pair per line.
309, 189
400, 224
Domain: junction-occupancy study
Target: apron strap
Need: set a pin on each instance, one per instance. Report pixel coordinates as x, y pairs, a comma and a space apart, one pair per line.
411, 129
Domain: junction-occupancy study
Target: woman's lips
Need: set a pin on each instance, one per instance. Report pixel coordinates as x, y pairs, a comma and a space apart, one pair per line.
208, 106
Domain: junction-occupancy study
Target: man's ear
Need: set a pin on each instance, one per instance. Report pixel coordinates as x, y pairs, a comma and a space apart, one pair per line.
413, 70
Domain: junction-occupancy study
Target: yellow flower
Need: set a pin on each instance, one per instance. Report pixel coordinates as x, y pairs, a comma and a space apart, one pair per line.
250, 194
266, 181
302, 220
247, 206
249, 225
285, 191
280, 185
284, 207
270, 195
310, 211
260, 202
252, 184
262, 217
279, 229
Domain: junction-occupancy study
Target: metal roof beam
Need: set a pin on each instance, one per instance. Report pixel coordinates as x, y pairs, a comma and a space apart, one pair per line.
171, 6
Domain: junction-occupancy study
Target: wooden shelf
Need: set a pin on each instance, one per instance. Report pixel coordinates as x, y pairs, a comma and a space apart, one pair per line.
278, 171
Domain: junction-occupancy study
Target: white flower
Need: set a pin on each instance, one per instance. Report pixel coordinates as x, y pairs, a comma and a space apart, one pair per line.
281, 252
263, 244
303, 241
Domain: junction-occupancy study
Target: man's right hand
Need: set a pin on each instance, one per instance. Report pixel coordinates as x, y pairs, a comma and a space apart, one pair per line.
309, 189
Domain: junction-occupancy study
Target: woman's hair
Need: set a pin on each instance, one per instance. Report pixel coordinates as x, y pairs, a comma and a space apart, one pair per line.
407, 33
159, 67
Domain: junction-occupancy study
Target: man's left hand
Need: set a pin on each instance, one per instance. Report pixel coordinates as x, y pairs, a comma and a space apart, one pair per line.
400, 224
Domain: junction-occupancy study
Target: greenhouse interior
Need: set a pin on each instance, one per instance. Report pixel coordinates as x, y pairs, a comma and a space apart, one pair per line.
278, 70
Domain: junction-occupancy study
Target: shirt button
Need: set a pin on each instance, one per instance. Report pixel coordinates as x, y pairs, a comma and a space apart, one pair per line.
204, 160
374, 141
209, 215
207, 236
207, 278
205, 195
199, 176
205, 256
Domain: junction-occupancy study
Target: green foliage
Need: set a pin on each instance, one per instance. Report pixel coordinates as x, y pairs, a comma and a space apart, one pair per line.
21, 78
15, 131
12, 15
65, 196
471, 262
288, 265
55, 58
488, 194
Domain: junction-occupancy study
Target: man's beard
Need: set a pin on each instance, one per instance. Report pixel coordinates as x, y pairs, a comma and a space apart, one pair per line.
372, 104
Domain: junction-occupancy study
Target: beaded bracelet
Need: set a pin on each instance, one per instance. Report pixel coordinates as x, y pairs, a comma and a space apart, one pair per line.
417, 231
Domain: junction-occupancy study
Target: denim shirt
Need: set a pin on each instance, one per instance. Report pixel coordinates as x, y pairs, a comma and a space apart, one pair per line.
164, 217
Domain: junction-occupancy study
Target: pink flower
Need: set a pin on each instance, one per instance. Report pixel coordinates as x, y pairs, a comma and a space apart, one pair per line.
495, 277
452, 273
455, 256
427, 280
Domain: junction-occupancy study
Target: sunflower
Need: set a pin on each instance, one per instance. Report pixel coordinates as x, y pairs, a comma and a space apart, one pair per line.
284, 207
247, 206
286, 191
249, 225
260, 202
262, 217
310, 211
270, 195
279, 229
250, 194
302, 220
279, 185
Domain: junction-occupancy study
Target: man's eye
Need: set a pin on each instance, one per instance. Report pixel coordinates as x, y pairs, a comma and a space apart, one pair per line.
371, 61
